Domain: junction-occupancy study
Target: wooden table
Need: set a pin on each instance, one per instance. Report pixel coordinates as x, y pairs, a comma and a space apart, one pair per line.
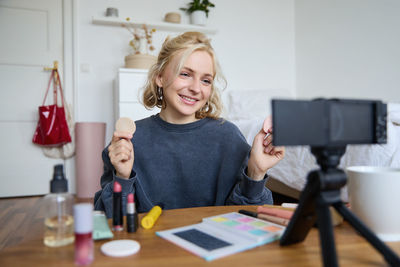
27, 249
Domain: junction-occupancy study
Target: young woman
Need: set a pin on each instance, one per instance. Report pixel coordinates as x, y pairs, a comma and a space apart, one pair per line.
186, 156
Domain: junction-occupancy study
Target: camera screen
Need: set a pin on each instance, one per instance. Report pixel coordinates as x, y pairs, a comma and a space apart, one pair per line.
325, 122
351, 123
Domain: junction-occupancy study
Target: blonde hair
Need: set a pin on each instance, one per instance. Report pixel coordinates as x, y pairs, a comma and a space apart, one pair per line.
187, 43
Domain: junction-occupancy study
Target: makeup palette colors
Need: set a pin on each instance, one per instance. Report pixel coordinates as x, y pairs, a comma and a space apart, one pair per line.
246, 226
223, 235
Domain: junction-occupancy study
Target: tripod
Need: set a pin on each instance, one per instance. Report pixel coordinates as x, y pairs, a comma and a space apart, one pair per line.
323, 190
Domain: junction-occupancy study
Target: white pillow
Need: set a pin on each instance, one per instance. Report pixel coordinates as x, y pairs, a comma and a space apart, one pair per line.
394, 112
249, 104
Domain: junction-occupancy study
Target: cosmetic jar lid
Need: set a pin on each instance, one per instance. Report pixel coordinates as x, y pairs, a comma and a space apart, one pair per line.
83, 218
120, 248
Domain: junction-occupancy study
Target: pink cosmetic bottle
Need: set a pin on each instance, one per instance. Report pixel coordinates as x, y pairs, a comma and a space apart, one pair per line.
83, 221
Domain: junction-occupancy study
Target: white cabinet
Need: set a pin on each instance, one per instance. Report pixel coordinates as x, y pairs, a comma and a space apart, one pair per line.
128, 93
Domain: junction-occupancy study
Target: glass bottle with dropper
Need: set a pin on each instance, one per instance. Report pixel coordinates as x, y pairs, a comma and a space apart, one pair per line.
59, 221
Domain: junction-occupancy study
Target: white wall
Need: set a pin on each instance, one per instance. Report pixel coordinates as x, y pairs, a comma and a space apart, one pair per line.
348, 48
254, 44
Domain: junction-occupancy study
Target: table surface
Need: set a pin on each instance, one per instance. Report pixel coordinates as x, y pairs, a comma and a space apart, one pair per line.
24, 244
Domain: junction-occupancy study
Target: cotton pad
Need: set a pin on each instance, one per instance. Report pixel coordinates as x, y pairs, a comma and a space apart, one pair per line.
120, 248
125, 124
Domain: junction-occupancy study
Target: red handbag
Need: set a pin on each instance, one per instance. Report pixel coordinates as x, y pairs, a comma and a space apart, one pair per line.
52, 127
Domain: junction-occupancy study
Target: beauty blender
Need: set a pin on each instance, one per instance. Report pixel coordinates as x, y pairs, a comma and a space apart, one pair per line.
125, 124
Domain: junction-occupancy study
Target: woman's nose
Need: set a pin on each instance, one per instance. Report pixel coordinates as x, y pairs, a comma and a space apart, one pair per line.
195, 85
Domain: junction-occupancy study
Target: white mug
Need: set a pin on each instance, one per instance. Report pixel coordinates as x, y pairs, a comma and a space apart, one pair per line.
374, 194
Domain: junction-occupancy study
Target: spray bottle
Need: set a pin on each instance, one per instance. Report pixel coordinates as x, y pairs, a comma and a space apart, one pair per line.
59, 220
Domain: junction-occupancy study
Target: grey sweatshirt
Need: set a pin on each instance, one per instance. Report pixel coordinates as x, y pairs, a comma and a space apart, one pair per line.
202, 163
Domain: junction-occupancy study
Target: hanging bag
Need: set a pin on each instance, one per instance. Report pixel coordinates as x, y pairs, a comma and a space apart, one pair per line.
52, 128
67, 150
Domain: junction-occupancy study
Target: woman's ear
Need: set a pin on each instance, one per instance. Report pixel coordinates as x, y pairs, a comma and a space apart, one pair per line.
159, 80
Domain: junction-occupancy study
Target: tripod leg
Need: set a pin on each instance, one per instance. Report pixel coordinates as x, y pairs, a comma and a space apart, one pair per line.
326, 233
357, 224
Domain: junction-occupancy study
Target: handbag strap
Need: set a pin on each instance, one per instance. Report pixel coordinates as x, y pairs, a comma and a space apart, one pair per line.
56, 85
55, 88
60, 87
48, 86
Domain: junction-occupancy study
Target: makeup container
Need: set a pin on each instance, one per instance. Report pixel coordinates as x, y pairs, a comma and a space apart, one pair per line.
117, 208
131, 214
83, 216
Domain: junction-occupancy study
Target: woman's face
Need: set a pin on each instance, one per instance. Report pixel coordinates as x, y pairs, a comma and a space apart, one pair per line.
190, 90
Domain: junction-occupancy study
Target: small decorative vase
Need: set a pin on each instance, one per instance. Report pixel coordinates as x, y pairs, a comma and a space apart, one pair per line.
198, 17
143, 46
140, 61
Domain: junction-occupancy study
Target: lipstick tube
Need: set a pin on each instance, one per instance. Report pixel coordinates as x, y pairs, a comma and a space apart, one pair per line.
131, 214
117, 208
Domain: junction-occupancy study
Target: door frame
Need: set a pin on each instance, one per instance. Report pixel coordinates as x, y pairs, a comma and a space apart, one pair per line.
70, 71
70, 46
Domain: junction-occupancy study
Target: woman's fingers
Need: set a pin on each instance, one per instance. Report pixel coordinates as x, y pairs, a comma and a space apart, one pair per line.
120, 135
122, 145
121, 157
267, 139
278, 151
267, 123
269, 148
120, 150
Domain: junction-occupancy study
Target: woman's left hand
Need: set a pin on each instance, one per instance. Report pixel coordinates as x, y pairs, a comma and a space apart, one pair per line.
263, 155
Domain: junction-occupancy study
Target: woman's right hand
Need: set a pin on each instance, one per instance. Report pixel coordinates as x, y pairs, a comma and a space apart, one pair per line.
121, 154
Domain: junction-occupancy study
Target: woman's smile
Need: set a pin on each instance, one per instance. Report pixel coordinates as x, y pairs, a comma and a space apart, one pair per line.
188, 100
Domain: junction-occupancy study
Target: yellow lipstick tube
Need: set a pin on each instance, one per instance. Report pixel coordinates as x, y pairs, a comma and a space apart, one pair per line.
150, 219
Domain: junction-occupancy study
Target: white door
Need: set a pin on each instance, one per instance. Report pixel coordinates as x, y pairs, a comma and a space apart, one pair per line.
31, 34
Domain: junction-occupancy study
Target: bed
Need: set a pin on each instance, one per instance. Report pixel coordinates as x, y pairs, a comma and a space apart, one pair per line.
248, 109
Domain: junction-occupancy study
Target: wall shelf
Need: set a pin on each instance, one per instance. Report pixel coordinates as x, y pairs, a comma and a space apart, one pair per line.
162, 26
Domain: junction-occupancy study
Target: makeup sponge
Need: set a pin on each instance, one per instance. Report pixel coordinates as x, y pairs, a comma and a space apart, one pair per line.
125, 124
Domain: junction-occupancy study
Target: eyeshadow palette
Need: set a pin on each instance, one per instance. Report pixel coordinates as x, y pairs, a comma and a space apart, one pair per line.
246, 226
224, 234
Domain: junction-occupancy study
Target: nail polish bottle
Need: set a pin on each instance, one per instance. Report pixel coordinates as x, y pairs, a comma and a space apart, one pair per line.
83, 217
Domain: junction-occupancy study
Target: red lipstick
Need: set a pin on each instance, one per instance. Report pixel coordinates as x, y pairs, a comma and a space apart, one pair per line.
117, 208
131, 214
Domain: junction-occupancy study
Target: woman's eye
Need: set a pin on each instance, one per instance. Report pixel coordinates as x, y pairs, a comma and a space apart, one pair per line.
207, 81
185, 74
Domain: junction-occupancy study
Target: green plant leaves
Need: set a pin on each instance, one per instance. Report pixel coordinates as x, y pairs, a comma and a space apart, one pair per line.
195, 5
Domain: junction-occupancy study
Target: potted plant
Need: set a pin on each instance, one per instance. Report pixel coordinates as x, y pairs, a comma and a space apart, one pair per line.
198, 11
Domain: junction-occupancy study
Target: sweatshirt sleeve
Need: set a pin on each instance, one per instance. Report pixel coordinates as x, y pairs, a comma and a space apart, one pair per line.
246, 191
103, 198
250, 192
